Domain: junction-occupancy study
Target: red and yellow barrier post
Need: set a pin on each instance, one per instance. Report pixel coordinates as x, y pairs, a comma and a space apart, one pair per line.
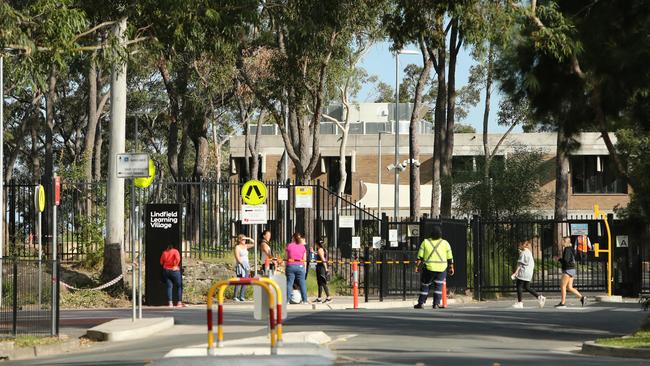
221, 286
278, 299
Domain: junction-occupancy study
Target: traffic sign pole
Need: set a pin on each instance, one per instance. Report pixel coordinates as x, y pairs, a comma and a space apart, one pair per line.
254, 193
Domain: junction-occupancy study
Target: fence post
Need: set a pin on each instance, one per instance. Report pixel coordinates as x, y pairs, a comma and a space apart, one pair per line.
366, 276
381, 275
476, 244
15, 297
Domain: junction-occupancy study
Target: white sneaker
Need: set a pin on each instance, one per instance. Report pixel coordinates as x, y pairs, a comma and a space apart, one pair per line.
518, 305
542, 300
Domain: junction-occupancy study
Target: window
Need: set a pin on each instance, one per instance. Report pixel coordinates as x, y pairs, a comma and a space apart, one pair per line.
240, 168
333, 175
595, 174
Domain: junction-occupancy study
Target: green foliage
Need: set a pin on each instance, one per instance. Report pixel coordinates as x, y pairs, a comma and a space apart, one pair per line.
88, 299
91, 241
512, 191
31, 341
634, 147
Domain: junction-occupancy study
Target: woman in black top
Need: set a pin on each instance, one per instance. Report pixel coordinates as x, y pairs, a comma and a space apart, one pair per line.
322, 272
568, 262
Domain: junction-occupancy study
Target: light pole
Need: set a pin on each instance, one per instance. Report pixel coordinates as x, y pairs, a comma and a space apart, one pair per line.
396, 128
379, 133
2, 173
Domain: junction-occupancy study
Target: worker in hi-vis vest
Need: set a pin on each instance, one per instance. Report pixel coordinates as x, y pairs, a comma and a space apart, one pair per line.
434, 261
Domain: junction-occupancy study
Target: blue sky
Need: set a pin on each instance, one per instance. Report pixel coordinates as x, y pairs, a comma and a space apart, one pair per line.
381, 62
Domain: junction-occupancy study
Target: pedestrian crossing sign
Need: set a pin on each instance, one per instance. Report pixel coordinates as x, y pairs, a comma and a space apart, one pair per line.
253, 192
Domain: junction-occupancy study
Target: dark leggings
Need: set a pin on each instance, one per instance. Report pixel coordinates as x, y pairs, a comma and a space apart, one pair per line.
521, 285
321, 278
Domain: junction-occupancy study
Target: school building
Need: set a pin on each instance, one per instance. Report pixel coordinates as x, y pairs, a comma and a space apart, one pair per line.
593, 179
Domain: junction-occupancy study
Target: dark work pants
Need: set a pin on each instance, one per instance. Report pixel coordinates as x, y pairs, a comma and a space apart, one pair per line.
427, 279
521, 285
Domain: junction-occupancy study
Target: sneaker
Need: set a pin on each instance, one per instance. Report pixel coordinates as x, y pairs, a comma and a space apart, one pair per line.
181, 305
518, 305
541, 300
437, 306
242, 299
560, 306
328, 300
583, 300
318, 300
418, 306
170, 305
236, 299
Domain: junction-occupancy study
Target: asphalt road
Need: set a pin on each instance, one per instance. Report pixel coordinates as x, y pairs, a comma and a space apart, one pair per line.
486, 334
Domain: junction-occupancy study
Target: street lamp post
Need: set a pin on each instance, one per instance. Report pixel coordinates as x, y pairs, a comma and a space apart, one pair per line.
379, 175
396, 128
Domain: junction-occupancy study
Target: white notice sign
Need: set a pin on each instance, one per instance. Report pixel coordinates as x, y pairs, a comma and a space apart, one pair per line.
346, 222
304, 197
622, 241
394, 244
283, 194
376, 242
356, 242
392, 235
251, 215
132, 165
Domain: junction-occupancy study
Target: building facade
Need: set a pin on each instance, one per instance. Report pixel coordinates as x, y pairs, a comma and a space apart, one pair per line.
593, 180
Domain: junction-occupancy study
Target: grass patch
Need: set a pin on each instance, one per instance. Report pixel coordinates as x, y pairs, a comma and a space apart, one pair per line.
336, 285
31, 341
87, 299
640, 339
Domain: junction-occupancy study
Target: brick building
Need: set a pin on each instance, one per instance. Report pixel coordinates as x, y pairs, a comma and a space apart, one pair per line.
592, 178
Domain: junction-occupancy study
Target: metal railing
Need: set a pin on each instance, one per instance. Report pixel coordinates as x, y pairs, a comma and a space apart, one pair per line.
27, 307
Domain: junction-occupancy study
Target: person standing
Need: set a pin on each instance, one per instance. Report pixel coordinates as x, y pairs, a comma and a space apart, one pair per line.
436, 259
296, 258
568, 262
265, 249
523, 274
170, 260
322, 272
242, 265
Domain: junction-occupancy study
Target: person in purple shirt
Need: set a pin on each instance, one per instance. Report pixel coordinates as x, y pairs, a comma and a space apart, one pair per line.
296, 263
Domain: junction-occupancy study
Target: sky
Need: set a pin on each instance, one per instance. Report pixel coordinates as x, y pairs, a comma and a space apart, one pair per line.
380, 61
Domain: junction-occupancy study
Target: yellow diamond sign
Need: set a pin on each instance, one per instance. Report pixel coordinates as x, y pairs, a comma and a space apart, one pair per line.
253, 192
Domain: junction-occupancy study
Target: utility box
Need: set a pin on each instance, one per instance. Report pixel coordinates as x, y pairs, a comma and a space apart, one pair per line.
261, 299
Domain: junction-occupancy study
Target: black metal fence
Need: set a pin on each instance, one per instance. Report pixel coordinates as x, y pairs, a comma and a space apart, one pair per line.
27, 307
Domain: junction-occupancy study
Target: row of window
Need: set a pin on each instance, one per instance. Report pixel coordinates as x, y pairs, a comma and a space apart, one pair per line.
589, 173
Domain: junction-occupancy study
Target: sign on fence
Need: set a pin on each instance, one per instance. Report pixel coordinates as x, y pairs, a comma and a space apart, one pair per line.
376, 242
283, 194
356, 242
252, 215
622, 241
132, 165
304, 197
346, 222
579, 229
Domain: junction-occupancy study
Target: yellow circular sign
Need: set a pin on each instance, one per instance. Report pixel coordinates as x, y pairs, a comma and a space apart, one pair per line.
145, 182
253, 192
41, 198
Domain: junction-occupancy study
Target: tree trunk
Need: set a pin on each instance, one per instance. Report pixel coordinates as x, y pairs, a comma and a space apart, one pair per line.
440, 130
174, 116
113, 248
448, 151
414, 146
486, 147
49, 125
91, 129
99, 140
561, 184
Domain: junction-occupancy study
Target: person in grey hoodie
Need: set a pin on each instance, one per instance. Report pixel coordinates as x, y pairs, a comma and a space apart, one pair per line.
524, 274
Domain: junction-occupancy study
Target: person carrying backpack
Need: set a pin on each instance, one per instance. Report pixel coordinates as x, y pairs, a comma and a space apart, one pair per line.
568, 261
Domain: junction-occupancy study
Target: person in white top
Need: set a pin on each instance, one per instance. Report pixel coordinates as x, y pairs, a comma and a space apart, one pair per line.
524, 274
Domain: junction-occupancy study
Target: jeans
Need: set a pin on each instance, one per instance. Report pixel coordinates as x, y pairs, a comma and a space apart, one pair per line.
521, 285
174, 278
240, 291
296, 273
428, 278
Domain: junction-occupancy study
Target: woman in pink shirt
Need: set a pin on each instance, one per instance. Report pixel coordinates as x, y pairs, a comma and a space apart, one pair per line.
296, 261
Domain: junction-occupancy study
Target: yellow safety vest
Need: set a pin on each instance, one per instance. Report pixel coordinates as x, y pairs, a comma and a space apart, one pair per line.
435, 254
